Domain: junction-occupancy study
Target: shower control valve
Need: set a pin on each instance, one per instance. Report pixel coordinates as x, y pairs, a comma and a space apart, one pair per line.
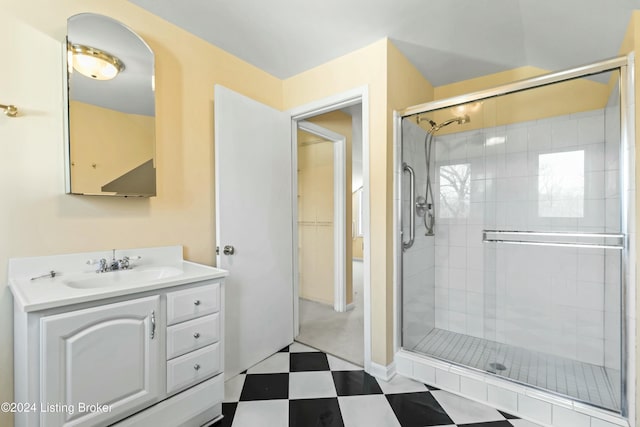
422, 206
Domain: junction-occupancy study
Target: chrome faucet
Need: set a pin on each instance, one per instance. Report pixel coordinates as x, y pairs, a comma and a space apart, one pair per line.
115, 264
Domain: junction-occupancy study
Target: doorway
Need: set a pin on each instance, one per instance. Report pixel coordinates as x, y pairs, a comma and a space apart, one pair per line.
330, 282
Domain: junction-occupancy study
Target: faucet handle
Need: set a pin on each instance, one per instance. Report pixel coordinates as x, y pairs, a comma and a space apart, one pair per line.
124, 263
102, 262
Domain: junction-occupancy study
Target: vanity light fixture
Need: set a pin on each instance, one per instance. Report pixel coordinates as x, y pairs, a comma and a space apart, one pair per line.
95, 63
9, 110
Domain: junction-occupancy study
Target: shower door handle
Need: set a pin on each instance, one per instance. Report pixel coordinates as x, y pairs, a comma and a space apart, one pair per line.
412, 196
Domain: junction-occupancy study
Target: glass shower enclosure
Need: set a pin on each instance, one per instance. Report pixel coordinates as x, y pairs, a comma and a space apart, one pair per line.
513, 206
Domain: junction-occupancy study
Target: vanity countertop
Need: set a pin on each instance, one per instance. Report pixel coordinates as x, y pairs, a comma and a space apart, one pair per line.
76, 282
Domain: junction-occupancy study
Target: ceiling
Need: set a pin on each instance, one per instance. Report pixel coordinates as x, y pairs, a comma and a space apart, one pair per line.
447, 40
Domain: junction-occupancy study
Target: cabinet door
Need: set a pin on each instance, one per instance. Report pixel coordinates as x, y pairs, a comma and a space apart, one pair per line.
106, 355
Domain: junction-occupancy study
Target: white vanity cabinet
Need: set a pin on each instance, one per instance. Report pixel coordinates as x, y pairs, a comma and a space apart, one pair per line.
119, 352
109, 354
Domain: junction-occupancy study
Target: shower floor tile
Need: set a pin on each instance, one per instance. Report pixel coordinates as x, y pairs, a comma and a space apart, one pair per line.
582, 381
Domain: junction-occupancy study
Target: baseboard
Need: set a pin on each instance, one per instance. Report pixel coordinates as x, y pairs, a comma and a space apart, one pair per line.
383, 372
328, 304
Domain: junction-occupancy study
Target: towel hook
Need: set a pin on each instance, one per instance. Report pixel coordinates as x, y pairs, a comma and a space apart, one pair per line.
9, 110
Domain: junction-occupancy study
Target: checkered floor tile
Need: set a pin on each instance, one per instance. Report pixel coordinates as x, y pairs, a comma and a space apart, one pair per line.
302, 387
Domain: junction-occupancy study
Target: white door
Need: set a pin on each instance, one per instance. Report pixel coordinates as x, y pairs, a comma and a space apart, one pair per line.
254, 217
107, 355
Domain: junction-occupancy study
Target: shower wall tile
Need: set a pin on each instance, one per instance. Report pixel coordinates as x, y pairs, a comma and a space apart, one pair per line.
458, 257
458, 235
612, 183
516, 139
564, 134
475, 281
591, 130
442, 276
539, 136
442, 318
457, 278
548, 299
442, 298
457, 321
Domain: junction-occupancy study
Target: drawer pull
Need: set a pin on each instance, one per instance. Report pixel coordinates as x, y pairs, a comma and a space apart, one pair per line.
153, 324
196, 367
196, 335
196, 302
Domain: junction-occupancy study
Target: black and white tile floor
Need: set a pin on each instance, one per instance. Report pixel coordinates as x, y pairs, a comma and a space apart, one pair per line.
302, 387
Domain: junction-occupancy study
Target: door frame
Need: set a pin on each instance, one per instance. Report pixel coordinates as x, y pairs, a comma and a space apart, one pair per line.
359, 95
339, 143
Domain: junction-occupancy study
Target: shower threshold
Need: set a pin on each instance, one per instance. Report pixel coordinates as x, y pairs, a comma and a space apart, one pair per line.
582, 381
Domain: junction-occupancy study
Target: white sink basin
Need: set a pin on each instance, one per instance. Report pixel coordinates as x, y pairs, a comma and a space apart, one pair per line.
135, 276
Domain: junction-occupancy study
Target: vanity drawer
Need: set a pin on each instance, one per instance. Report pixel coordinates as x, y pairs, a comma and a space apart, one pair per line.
192, 335
192, 303
193, 367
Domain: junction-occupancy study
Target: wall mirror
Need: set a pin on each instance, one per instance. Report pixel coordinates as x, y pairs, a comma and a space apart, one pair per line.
110, 147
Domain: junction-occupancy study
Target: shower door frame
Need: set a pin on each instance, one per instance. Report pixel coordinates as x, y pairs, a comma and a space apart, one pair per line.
625, 65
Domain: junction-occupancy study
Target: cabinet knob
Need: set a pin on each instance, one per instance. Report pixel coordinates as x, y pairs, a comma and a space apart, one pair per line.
196, 302
196, 335
196, 367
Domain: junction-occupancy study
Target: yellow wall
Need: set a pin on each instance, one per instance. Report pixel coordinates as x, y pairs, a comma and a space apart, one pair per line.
357, 242
315, 218
97, 138
341, 123
362, 67
559, 99
38, 218
392, 83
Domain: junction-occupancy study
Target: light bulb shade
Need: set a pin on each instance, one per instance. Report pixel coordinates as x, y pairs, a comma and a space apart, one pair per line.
94, 63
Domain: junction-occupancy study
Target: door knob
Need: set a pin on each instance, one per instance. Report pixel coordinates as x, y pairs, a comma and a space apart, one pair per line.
229, 250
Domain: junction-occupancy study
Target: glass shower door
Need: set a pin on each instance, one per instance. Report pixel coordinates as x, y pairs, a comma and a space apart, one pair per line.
418, 249
556, 274
513, 247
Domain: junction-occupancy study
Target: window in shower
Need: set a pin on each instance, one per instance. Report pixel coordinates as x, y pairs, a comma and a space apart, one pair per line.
455, 190
561, 184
